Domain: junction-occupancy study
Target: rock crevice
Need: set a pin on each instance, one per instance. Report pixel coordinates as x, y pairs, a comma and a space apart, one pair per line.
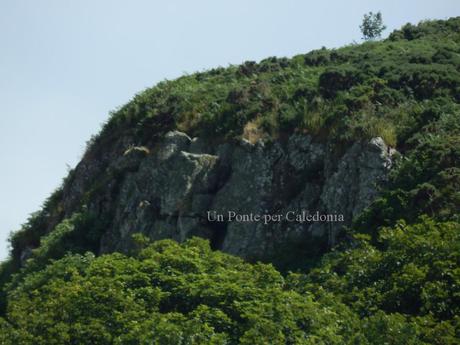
173, 188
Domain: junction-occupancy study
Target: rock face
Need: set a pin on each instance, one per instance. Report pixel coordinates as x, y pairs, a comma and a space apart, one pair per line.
178, 187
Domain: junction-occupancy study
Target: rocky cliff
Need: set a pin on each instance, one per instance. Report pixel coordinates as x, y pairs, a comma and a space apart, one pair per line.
176, 187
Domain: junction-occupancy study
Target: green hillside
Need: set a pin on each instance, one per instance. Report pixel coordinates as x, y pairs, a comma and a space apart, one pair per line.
393, 279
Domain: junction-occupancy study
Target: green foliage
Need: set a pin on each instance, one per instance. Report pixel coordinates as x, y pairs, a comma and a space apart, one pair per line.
411, 270
167, 294
338, 79
372, 26
299, 94
404, 291
77, 234
426, 180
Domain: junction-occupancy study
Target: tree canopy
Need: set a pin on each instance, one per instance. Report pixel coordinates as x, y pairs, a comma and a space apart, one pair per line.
372, 26
406, 289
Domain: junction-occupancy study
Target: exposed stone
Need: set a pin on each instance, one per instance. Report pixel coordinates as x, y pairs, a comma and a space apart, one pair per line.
170, 191
26, 253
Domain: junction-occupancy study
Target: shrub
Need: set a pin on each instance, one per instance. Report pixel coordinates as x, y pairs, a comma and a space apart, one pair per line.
338, 79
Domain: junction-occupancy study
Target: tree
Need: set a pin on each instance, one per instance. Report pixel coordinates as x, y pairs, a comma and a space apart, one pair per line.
372, 26
167, 293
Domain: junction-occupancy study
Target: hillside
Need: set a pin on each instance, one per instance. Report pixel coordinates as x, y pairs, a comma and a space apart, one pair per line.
124, 252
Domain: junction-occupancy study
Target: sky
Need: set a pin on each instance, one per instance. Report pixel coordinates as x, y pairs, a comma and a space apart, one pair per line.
64, 65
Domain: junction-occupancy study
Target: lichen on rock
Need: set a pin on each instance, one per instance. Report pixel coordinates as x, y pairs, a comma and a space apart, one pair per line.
184, 178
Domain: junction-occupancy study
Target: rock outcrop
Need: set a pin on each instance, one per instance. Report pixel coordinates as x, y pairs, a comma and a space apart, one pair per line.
177, 187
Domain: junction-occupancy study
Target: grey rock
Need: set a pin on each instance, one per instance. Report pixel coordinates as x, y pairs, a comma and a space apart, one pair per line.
168, 193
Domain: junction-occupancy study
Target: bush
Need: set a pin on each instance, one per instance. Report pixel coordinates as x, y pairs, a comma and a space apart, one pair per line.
338, 79
168, 294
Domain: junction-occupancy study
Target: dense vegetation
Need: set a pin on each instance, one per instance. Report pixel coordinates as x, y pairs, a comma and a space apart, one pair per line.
406, 292
397, 281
